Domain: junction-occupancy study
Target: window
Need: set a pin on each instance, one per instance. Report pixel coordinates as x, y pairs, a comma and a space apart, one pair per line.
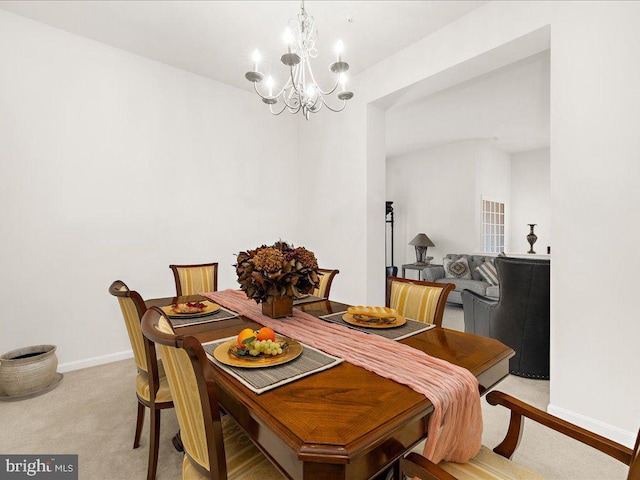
492, 226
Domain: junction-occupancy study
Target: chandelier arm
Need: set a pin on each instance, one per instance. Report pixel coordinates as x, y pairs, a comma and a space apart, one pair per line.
294, 110
298, 82
255, 87
344, 104
320, 104
277, 113
290, 106
318, 85
282, 90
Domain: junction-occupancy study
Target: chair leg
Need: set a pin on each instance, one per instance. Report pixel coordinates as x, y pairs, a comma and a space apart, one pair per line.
139, 422
154, 443
177, 442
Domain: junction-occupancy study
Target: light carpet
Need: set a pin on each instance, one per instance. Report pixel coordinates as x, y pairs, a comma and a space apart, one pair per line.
92, 413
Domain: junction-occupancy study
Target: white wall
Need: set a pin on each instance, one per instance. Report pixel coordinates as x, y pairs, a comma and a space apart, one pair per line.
530, 200
594, 170
113, 167
438, 191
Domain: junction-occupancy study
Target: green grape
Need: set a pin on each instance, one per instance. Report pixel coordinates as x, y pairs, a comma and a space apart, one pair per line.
253, 352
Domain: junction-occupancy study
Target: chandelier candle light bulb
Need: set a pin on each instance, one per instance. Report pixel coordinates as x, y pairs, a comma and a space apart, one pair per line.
288, 39
270, 85
302, 92
343, 81
256, 60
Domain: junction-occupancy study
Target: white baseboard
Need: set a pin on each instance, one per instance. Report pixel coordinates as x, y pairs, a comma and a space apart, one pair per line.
93, 361
616, 434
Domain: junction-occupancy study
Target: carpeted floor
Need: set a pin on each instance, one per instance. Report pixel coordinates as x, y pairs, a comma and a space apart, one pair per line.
92, 414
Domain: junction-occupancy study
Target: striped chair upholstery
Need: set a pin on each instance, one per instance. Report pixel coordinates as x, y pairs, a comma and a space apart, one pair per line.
232, 455
132, 322
152, 389
422, 301
326, 279
193, 279
486, 465
496, 464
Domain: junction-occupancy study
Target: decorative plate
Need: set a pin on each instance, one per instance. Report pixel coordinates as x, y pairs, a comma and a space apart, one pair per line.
209, 309
221, 353
399, 320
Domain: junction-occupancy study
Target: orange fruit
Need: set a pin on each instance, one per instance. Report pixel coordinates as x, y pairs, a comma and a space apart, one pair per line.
244, 335
265, 333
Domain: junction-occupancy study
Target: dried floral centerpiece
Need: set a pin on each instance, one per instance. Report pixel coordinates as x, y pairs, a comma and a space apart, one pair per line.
274, 275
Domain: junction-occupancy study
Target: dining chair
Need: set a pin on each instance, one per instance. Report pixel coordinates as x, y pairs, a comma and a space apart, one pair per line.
326, 279
152, 389
496, 465
215, 447
418, 300
193, 279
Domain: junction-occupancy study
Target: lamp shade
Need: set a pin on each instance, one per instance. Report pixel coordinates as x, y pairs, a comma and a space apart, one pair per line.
421, 240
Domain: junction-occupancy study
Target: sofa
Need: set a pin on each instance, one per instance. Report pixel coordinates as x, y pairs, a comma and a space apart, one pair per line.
435, 273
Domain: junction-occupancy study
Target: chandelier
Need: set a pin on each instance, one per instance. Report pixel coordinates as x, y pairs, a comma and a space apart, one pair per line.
301, 93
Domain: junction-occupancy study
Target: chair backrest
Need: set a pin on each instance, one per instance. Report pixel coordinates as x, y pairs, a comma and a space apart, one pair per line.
326, 279
422, 301
193, 279
133, 308
192, 385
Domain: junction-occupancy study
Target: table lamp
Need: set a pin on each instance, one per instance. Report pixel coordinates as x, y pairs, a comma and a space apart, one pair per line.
422, 242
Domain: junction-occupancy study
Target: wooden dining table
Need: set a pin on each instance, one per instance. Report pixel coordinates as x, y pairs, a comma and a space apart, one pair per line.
344, 423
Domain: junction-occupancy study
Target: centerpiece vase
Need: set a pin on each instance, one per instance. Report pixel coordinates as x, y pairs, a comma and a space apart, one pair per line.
531, 238
278, 307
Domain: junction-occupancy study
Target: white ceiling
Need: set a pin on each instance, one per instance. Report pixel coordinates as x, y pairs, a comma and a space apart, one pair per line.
509, 106
216, 38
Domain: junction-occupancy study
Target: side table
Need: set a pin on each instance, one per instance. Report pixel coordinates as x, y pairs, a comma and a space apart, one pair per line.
414, 266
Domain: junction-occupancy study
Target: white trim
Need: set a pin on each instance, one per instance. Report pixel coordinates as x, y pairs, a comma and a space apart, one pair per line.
611, 432
93, 361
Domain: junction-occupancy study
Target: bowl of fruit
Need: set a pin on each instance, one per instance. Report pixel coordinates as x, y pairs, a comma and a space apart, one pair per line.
257, 348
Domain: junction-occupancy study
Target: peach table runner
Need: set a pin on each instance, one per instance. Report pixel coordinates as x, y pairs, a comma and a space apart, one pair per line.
455, 427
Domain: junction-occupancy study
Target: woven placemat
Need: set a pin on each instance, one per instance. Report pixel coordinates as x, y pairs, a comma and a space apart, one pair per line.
222, 314
396, 333
309, 299
260, 380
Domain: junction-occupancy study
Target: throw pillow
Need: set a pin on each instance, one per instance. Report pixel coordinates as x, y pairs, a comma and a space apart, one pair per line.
457, 268
488, 272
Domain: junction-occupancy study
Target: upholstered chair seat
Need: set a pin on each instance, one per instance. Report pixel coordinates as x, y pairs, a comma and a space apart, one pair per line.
244, 460
487, 465
142, 386
421, 301
496, 464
